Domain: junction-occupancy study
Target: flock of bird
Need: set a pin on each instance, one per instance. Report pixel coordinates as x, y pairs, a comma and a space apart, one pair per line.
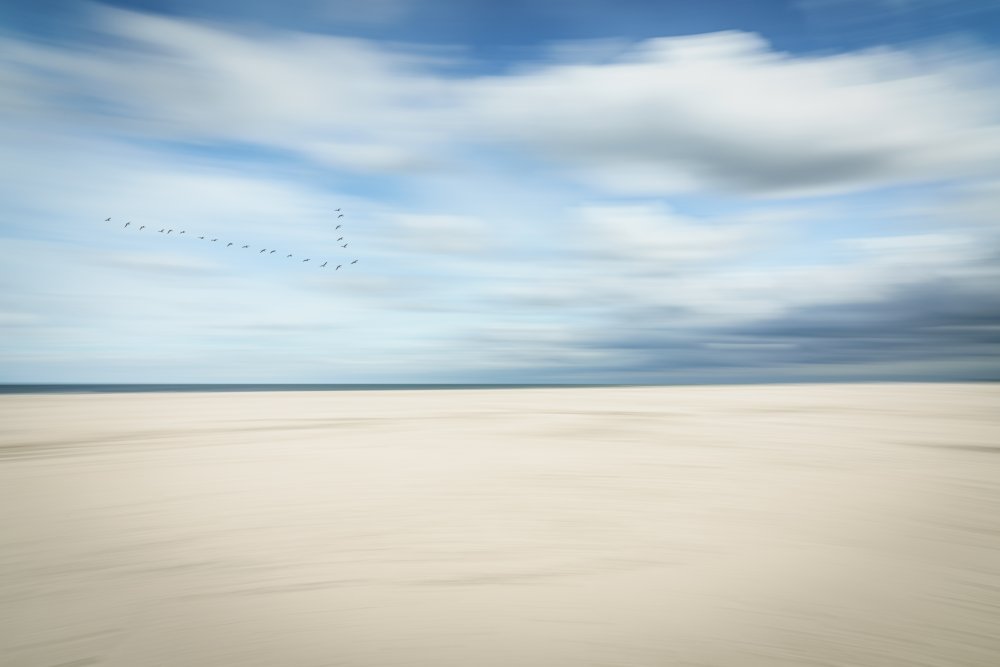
262, 251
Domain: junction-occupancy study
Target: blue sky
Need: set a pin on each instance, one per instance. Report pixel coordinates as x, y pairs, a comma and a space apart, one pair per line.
550, 191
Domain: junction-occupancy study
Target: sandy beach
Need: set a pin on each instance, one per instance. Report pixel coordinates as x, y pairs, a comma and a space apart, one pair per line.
854, 525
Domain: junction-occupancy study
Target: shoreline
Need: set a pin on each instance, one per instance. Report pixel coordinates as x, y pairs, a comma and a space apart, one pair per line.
41, 389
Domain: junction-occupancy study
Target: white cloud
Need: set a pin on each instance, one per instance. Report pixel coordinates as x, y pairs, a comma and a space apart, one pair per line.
441, 233
162, 263
335, 98
710, 112
648, 233
725, 112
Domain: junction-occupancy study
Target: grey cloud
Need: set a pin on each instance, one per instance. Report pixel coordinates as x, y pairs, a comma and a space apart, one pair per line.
944, 323
940, 319
724, 111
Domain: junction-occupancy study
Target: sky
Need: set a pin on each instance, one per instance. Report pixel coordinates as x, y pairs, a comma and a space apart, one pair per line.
587, 191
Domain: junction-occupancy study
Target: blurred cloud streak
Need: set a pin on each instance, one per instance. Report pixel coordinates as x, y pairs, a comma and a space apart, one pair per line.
652, 209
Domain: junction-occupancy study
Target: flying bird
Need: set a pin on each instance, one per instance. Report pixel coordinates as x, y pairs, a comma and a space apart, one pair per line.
344, 246
229, 244
306, 259
169, 230
272, 252
337, 227
341, 238
338, 210
263, 251
215, 240
201, 237
338, 267
181, 232
287, 256
354, 262
246, 246
322, 265
142, 228
107, 219
340, 216
127, 224
161, 231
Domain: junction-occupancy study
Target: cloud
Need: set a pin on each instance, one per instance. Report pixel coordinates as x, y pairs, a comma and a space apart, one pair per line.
332, 98
162, 263
929, 330
15, 320
452, 234
653, 233
725, 112
721, 112
907, 306
929, 321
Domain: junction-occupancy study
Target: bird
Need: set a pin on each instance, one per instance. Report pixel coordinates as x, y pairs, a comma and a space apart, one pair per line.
344, 246
201, 237
338, 267
161, 231
127, 224
272, 252
246, 246
338, 210
169, 230
263, 251
306, 259
107, 219
229, 244
341, 238
142, 228
340, 216
354, 262
337, 227
215, 240
181, 232
287, 256
322, 265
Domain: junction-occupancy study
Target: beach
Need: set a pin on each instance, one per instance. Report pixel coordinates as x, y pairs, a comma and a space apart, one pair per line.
742, 526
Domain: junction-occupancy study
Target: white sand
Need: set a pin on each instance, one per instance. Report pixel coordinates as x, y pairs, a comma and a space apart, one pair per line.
723, 526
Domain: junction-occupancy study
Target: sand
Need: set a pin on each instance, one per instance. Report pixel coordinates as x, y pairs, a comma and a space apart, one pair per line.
743, 526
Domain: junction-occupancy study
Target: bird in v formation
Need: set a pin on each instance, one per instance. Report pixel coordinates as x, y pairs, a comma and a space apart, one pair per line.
323, 265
